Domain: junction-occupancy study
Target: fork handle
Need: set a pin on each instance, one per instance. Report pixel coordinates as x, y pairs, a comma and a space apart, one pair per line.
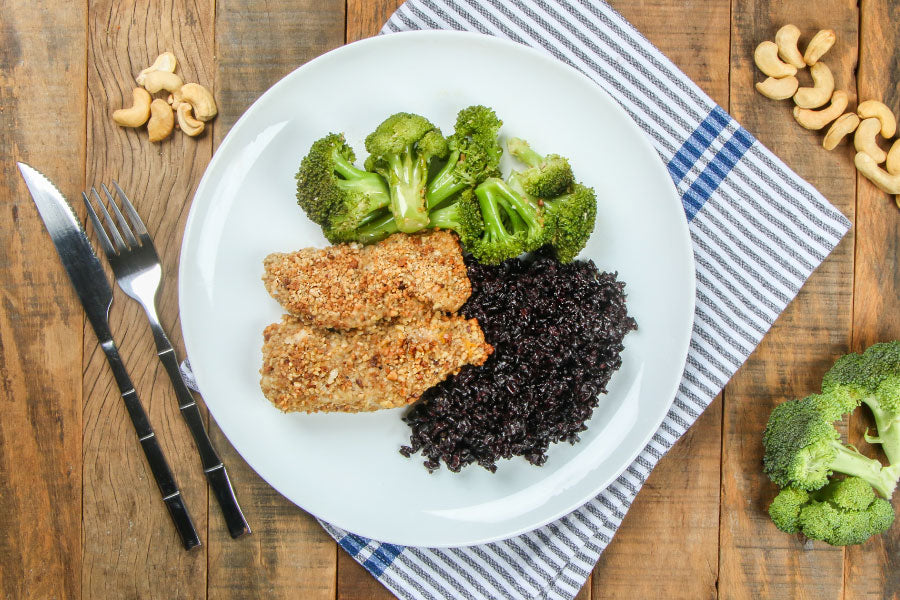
213, 467
150, 445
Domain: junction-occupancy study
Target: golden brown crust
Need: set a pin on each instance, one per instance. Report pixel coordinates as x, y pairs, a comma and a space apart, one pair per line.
351, 286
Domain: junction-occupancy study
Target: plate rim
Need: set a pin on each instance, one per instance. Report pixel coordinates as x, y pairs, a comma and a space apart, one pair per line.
686, 242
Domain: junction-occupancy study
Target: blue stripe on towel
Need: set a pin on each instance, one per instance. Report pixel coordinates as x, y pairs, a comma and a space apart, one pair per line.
382, 558
717, 169
697, 143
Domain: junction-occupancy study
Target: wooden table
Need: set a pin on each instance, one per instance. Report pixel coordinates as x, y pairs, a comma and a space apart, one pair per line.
80, 515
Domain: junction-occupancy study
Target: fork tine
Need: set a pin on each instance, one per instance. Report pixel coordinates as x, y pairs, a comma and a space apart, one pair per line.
113, 230
123, 224
133, 216
98, 227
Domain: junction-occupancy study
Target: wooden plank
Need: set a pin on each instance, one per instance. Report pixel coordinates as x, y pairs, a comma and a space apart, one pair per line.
873, 569
130, 546
684, 487
288, 555
42, 109
757, 560
365, 18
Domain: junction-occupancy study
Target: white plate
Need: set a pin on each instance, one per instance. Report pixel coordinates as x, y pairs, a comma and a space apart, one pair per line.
346, 469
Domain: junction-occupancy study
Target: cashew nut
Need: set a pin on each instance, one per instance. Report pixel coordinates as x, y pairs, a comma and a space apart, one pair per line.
846, 124
162, 120
864, 139
786, 40
164, 62
766, 58
200, 98
778, 89
823, 86
187, 122
818, 46
893, 159
886, 182
139, 112
880, 111
817, 119
156, 81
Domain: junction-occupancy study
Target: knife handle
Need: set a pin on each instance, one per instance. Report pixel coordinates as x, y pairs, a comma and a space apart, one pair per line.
152, 450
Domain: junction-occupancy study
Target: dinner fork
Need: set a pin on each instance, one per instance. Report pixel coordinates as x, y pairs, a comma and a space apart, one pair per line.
138, 272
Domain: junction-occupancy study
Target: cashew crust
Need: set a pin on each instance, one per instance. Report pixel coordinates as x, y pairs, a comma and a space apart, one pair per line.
892, 164
778, 89
200, 99
156, 81
817, 119
846, 124
187, 122
766, 58
864, 139
818, 46
162, 120
139, 112
886, 182
880, 111
164, 62
786, 40
823, 86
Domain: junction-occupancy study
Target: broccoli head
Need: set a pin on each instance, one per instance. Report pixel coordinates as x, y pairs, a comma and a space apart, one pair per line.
785, 508
802, 448
546, 176
401, 149
463, 216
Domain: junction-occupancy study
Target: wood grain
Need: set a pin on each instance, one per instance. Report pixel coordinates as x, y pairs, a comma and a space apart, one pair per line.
757, 560
288, 555
130, 547
873, 569
41, 110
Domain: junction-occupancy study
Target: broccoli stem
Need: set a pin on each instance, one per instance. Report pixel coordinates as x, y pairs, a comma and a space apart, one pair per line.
358, 180
851, 462
522, 213
406, 182
493, 220
445, 218
377, 230
445, 183
888, 430
523, 152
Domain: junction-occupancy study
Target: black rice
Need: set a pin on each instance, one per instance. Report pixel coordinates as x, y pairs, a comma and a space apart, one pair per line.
557, 333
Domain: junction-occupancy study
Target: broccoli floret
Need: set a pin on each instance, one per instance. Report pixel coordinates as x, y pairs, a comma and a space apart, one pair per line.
474, 155
463, 216
785, 508
873, 378
497, 243
546, 176
844, 513
802, 448
401, 149
333, 192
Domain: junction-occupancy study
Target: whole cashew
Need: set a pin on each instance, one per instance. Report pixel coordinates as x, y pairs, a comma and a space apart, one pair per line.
766, 58
818, 46
164, 62
200, 99
893, 159
817, 119
778, 89
881, 178
139, 112
823, 86
786, 40
864, 139
156, 81
162, 120
880, 111
846, 124
187, 122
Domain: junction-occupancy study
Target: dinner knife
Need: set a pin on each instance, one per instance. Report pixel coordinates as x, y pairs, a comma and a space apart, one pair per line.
95, 293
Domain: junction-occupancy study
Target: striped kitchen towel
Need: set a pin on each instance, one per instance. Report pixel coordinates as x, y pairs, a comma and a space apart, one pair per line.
758, 232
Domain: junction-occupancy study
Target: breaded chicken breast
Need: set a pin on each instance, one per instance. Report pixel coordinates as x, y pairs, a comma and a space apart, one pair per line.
309, 369
350, 286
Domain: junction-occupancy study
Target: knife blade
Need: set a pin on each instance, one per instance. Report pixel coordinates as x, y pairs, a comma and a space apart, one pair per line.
93, 289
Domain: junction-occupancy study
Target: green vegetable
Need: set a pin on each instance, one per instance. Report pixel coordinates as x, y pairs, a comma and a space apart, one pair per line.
546, 176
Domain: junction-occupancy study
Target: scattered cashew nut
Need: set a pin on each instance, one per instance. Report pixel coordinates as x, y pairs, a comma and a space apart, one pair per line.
893, 159
880, 111
156, 81
864, 139
766, 58
186, 120
823, 86
817, 119
786, 40
139, 112
818, 46
200, 99
886, 182
164, 62
162, 120
778, 89
845, 125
